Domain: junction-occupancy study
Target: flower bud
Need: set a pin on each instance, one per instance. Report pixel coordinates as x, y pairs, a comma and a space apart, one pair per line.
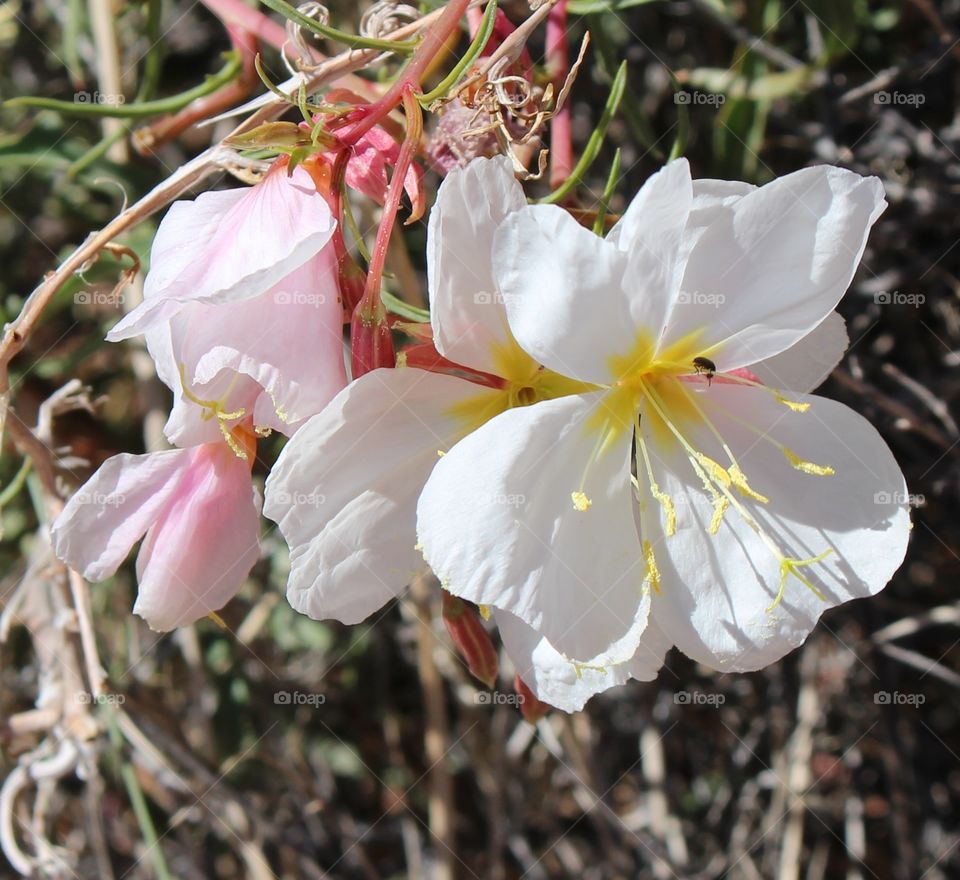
471, 638
371, 343
532, 708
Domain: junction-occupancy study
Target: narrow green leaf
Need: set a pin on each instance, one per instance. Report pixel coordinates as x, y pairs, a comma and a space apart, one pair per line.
354, 41
592, 149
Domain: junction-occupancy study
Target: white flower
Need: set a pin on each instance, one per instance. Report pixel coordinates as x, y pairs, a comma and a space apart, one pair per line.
727, 513
344, 489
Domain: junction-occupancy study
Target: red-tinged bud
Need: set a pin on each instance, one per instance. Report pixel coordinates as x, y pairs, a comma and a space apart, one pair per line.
532, 708
471, 638
327, 175
371, 342
350, 277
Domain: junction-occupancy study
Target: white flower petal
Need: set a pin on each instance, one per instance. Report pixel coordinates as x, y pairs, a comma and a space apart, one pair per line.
775, 264
345, 488
114, 508
712, 201
717, 589
807, 363
467, 314
565, 685
574, 300
230, 246
562, 287
498, 524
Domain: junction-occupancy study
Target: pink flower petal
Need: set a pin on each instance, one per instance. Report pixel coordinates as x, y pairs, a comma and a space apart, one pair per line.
114, 508
200, 550
230, 246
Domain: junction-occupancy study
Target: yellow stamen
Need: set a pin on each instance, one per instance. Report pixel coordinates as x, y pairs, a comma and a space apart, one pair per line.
484, 611
581, 502
721, 506
580, 667
717, 473
807, 467
789, 567
665, 501
739, 479
238, 451
214, 408
652, 575
795, 405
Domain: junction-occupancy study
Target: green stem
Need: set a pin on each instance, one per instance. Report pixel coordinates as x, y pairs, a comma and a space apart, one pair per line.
15, 485
683, 128
149, 81
473, 51
352, 40
612, 177
144, 108
633, 111
592, 149
137, 800
397, 306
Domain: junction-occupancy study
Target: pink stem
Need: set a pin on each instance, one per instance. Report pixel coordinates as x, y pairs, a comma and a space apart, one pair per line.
410, 76
236, 12
558, 64
392, 203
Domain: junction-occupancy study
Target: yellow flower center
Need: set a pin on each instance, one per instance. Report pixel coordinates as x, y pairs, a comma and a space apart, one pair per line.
661, 381
525, 383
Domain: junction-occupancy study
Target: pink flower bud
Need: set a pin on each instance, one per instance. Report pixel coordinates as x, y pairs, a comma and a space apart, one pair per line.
371, 343
471, 638
532, 708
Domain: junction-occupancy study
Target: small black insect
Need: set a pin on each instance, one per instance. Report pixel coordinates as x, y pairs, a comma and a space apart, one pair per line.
705, 367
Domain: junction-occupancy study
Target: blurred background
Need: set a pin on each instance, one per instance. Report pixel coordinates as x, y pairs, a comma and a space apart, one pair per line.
284, 747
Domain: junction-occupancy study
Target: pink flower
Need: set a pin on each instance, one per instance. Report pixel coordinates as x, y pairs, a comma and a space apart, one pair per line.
198, 512
276, 358
367, 168
231, 245
241, 307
